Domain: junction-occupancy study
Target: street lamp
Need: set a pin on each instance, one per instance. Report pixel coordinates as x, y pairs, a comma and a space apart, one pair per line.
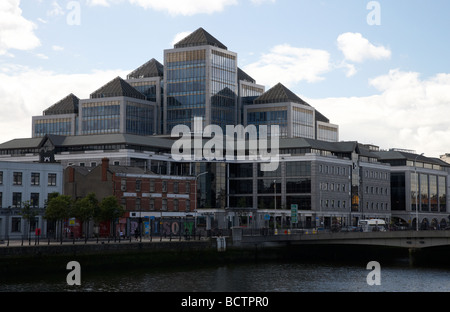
417, 192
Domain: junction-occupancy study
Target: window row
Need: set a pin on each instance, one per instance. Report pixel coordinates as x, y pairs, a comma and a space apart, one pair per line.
35, 178
336, 170
17, 200
138, 187
375, 190
376, 175
163, 204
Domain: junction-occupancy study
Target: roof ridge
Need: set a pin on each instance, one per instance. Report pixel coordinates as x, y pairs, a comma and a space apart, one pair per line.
117, 87
67, 105
151, 68
277, 94
198, 38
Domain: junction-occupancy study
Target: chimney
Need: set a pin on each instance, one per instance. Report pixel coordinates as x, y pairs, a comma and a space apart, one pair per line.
105, 166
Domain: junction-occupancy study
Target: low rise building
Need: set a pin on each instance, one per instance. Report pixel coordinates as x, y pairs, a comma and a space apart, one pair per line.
26, 183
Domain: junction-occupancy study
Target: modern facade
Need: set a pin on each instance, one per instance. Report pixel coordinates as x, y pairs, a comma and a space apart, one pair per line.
26, 183
332, 183
295, 118
418, 182
60, 118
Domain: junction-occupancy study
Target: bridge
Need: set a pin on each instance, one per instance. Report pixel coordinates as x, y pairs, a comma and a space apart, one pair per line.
401, 239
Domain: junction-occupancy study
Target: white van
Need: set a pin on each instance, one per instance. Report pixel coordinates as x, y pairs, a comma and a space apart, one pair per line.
373, 225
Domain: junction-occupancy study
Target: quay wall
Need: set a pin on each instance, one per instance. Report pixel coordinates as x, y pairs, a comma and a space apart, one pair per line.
44, 259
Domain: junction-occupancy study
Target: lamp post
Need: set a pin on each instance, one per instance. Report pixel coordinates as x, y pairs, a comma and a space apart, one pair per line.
417, 192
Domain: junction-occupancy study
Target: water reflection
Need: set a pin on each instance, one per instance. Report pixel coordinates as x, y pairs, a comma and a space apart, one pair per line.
269, 277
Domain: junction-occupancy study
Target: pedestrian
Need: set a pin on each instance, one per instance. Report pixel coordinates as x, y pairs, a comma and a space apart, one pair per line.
136, 233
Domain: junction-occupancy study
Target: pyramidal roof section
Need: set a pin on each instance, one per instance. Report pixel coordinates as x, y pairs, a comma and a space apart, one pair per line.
242, 75
117, 87
279, 94
200, 37
68, 105
152, 68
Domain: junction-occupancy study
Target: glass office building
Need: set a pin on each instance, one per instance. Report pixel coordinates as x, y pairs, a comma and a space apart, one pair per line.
295, 118
60, 118
117, 107
201, 78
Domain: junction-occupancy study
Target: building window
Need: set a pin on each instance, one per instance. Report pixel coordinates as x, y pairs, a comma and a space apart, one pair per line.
164, 204
175, 204
34, 199
17, 199
138, 185
123, 202
138, 204
188, 187
152, 204
164, 186
123, 185
1, 199
188, 205
52, 179
1, 177
16, 224
175, 187
93, 164
152, 185
17, 178
35, 178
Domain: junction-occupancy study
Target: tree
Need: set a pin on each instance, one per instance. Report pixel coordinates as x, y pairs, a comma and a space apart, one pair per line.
58, 208
85, 209
110, 210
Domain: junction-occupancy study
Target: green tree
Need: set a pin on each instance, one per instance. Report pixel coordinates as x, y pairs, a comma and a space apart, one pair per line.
110, 210
85, 209
59, 208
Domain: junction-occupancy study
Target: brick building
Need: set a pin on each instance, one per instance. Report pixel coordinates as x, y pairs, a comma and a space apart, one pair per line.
152, 202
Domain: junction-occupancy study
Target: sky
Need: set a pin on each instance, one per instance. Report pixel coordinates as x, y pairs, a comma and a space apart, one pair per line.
378, 69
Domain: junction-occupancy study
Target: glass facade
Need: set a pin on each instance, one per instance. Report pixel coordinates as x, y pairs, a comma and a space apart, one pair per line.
432, 194
268, 117
223, 89
303, 122
100, 117
327, 133
59, 126
139, 119
185, 87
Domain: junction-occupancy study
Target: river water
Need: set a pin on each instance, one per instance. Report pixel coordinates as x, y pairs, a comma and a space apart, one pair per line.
262, 277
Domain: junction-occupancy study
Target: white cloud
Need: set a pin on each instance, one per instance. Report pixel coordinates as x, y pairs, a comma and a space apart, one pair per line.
175, 7
409, 112
357, 49
259, 2
16, 32
27, 92
57, 48
289, 65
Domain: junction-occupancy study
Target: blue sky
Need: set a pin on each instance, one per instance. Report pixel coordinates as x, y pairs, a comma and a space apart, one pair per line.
386, 84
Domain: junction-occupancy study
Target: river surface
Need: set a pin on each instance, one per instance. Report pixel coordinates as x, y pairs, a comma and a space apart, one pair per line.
262, 277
